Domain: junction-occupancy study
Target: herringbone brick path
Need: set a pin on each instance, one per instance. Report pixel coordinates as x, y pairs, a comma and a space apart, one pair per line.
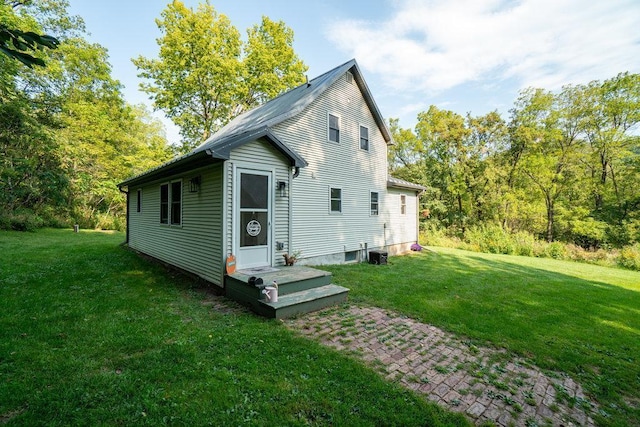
485, 384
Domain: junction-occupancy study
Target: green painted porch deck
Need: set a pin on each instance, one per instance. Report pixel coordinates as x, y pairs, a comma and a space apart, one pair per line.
300, 290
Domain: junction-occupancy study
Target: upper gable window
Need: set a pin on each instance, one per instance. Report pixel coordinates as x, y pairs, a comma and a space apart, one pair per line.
334, 128
364, 138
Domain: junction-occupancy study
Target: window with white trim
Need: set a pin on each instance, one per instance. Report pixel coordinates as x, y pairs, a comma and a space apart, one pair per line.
334, 128
374, 203
171, 203
335, 200
403, 204
364, 138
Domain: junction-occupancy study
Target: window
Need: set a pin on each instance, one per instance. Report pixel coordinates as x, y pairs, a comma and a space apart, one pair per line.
334, 128
176, 203
139, 206
364, 138
164, 204
403, 204
374, 203
335, 200
171, 203
351, 256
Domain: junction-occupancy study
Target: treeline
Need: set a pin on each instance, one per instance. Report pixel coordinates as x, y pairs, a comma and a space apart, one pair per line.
67, 136
564, 166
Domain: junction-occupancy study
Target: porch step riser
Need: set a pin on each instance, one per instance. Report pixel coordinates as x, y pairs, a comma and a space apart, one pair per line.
310, 306
303, 285
304, 301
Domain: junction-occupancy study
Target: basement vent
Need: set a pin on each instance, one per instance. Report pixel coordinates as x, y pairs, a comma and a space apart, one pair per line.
349, 77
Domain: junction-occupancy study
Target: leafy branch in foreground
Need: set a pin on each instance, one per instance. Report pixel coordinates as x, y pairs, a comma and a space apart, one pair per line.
16, 43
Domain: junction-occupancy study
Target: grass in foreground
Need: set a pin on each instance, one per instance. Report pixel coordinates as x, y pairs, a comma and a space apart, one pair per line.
580, 319
91, 334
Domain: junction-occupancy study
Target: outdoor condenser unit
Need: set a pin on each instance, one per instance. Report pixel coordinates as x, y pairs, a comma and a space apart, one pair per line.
378, 257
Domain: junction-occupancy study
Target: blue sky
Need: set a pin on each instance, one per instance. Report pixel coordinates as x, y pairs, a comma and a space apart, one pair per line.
461, 55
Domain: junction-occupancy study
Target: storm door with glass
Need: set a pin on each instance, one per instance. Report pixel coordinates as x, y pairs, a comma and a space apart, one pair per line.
253, 216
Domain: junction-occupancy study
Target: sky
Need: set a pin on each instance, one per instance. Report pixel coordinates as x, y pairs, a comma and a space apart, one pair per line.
467, 56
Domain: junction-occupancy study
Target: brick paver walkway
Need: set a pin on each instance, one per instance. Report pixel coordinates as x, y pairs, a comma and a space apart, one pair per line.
486, 384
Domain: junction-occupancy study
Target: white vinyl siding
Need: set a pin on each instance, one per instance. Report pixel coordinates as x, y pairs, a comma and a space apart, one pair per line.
403, 226
196, 246
316, 231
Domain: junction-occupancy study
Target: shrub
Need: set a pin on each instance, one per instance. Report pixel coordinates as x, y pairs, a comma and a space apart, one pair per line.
629, 257
491, 238
20, 221
433, 235
524, 243
556, 250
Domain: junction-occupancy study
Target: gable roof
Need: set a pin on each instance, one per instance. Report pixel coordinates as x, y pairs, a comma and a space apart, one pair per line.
256, 123
293, 102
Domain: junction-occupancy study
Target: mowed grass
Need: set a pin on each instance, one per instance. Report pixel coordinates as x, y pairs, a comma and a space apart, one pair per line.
91, 334
580, 319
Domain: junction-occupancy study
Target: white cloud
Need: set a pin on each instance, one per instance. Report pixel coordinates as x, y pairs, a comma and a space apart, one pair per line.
435, 45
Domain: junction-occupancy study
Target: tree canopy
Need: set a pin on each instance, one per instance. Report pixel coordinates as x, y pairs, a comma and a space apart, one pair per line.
205, 75
565, 166
67, 136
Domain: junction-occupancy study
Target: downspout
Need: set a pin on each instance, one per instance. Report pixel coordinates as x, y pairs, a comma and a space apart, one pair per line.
290, 195
127, 214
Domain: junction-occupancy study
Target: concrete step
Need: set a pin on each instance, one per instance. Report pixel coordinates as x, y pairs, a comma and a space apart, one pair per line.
304, 301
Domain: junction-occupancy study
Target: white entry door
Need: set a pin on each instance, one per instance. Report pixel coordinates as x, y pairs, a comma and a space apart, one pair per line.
253, 217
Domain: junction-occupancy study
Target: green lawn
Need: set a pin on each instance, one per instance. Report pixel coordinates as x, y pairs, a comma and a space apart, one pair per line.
576, 318
91, 334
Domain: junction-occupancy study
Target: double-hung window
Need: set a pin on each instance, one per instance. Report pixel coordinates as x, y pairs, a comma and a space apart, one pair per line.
374, 203
364, 138
171, 203
334, 128
335, 200
403, 204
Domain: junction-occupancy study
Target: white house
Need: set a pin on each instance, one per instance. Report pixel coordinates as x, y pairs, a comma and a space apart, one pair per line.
306, 172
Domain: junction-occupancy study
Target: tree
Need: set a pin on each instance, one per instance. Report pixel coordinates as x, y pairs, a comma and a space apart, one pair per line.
201, 79
270, 66
545, 131
195, 78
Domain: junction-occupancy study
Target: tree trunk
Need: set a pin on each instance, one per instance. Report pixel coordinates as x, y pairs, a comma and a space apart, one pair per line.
550, 218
